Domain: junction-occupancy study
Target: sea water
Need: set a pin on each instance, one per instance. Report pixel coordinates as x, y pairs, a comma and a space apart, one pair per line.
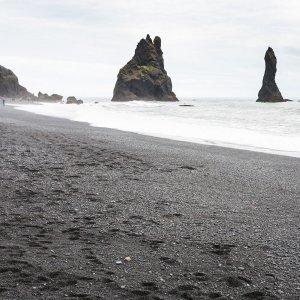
235, 123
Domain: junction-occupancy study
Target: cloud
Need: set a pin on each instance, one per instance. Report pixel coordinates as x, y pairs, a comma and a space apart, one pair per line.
206, 44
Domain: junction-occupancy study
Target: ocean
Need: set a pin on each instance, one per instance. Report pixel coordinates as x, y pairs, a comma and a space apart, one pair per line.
228, 122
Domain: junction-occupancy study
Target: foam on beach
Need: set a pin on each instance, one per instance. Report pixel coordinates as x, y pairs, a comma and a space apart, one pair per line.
238, 123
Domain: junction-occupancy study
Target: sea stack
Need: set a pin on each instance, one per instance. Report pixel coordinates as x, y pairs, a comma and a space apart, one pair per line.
9, 85
144, 76
53, 98
269, 91
73, 100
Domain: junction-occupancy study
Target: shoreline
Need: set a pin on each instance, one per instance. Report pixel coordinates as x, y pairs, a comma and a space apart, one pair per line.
186, 139
197, 221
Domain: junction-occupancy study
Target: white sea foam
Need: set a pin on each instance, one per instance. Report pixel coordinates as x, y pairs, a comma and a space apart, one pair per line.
234, 123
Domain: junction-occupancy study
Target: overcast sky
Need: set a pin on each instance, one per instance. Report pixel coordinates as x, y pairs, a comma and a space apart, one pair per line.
211, 47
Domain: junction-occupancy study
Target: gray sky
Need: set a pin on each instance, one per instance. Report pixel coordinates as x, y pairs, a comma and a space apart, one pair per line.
211, 47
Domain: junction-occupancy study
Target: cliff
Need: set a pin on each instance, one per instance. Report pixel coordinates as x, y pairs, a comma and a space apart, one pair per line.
9, 85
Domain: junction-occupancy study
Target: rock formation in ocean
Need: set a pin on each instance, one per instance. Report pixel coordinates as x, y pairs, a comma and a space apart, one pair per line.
269, 91
47, 98
73, 100
144, 76
9, 85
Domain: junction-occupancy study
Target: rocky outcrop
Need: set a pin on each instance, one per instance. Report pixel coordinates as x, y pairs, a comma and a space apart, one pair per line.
269, 91
9, 85
144, 76
73, 100
47, 98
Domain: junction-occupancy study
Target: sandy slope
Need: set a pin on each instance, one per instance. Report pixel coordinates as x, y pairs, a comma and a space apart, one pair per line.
198, 222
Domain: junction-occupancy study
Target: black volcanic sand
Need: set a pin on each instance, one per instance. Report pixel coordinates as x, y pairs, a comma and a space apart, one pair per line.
198, 222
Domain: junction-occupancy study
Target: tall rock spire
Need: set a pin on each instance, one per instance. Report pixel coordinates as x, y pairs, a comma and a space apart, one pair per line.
269, 91
144, 76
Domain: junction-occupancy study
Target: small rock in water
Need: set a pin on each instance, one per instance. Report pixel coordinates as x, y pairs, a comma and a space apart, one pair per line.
118, 262
128, 258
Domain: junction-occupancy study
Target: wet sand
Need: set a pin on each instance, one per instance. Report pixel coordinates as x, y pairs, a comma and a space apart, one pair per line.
92, 213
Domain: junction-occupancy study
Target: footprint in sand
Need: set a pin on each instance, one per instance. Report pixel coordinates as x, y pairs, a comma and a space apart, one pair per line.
222, 249
260, 295
169, 260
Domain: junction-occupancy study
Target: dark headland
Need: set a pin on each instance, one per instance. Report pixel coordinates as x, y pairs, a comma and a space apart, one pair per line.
144, 77
91, 213
9, 85
12, 90
270, 91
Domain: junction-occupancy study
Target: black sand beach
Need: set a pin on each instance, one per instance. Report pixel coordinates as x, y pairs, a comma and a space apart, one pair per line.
192, 221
